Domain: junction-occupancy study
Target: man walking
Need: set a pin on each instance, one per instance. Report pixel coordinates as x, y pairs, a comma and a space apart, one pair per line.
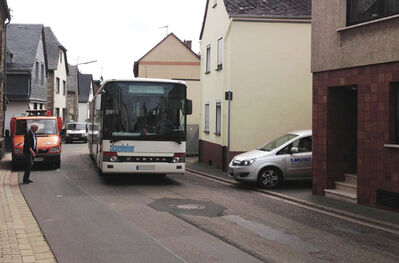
30, 148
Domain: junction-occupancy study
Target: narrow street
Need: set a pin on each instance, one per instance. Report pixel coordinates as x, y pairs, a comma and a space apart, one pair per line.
185, 218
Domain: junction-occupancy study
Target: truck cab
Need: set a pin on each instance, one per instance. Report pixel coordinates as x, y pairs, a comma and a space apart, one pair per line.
48, 137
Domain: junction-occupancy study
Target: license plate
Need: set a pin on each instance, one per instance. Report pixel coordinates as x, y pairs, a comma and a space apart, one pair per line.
145, 167
39, 159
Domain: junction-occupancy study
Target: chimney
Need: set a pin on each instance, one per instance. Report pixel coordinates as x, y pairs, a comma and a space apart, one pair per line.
188, 43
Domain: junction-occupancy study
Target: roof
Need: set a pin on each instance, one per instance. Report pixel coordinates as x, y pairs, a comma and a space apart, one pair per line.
84, 82
288, 9
269, 8
53, 48
136, 63
72, 80
23, 41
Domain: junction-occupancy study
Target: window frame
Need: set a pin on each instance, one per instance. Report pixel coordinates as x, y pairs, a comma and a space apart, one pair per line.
42, 74
37, 71
57, 85
206, 117
63, 87
57, 112
208, 59
218, 119
381, 13
220, 53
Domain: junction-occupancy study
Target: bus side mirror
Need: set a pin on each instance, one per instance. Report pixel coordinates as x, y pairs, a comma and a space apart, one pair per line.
189, 107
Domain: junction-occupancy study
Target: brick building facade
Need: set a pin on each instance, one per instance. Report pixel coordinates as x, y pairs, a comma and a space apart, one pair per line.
355, 65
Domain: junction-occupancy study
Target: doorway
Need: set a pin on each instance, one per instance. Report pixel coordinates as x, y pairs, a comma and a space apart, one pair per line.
342, 118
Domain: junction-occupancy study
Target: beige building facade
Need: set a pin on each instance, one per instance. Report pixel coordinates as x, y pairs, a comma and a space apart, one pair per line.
173, 59
264, 60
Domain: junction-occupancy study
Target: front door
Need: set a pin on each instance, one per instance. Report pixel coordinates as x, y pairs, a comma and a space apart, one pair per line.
299, 165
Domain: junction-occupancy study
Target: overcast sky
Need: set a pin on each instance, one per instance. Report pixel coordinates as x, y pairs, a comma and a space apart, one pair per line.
115, 33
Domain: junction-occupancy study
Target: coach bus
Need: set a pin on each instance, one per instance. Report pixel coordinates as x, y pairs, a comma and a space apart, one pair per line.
139, 126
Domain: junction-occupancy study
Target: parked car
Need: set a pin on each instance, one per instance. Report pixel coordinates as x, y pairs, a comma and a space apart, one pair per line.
76, 131
288, 157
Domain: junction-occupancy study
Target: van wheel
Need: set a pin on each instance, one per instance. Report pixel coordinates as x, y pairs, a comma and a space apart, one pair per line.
57, 164
270, 177
13, 166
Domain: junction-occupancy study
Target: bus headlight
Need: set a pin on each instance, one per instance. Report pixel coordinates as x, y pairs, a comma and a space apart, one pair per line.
179, 158
18, 151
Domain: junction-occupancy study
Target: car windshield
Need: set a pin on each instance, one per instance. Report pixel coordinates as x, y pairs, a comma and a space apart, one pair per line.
277, 142
46, 126
76, 126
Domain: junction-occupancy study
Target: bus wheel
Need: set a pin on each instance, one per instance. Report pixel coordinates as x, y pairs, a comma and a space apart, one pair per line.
57, 164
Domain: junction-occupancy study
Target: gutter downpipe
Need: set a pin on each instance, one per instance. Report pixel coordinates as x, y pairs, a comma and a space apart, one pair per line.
5, 75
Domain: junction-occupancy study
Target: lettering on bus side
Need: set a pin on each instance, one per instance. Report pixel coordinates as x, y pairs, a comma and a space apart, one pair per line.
122, 148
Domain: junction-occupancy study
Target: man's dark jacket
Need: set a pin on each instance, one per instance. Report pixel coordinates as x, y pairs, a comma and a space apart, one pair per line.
28, 142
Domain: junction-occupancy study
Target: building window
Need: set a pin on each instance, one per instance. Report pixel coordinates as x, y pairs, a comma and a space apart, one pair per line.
41, 106
218, 118
63, 87
60, 56
37, 71
42, 74
63, 114
396, 115
57, 88
35, 106
206, 126
208, 59
360, 11
220, 53
57, 112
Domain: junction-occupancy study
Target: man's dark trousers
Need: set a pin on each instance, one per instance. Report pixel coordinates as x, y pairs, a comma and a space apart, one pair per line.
28, 165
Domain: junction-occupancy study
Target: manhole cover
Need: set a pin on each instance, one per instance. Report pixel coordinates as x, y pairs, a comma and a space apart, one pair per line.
191, 206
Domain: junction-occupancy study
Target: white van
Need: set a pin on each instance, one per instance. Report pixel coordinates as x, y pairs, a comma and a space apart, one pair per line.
76, 131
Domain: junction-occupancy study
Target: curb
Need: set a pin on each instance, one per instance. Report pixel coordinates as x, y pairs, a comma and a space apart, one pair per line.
391, 227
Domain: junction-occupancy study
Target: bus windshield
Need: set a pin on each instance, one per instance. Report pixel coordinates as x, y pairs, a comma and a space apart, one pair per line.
144, 111
46, 126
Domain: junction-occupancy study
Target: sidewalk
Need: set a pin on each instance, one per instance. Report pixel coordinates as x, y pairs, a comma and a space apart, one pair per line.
21, 239
303, 195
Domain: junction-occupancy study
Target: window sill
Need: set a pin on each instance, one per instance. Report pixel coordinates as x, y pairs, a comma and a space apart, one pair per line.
206, 132
207, 72
217, 133
219, 68
214, 5
395, 146
368, 23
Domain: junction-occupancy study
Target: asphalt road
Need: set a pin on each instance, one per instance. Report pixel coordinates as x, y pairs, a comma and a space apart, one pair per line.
185, 218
